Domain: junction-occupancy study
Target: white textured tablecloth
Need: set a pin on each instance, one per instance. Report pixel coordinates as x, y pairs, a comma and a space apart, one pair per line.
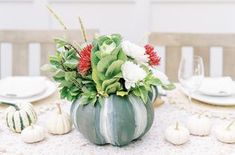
152, 143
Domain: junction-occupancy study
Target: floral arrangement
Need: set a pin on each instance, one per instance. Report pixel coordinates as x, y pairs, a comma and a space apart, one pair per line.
107, 65
112, 84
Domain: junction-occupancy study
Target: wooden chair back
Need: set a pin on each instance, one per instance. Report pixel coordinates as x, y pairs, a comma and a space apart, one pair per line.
217, 51
22, 52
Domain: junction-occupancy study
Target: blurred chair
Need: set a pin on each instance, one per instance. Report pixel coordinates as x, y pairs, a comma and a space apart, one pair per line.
204, 45
27, 47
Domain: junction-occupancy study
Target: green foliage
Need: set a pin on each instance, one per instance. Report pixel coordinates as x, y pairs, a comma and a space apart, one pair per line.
63, 66
106, 78
107, 58
143, 87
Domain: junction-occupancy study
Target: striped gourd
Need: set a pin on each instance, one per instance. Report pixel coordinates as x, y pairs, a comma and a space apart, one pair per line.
19, 116
118, 121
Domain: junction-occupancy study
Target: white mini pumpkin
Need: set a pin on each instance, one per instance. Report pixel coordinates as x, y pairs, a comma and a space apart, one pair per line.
20, 115
177, 134
59, 122
33, 134
199, 125
225, 132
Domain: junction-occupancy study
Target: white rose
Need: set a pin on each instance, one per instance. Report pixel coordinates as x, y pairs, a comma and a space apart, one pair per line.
134, 51
132, 73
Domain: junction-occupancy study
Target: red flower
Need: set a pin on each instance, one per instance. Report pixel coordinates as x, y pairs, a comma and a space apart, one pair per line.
154, 59
84, 64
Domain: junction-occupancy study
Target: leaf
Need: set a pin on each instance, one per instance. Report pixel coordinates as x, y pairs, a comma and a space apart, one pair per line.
142, 93
70, 76
65, 84
63, 92
117, 38
113, 88
119, 75
108, 82
72, 64
137, 92
122, 56
48, 68
83, 100
54, 61
114, 68
98, 54
104, 63
60, 42
101, 100
154, 81
170, 86
59, 74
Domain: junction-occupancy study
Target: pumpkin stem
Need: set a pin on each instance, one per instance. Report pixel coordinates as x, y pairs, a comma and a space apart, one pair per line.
177, 126
11, 104
230, 124
59, 108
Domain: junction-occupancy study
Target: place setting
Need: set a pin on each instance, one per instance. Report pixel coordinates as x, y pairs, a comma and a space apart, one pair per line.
25, 89
205, 98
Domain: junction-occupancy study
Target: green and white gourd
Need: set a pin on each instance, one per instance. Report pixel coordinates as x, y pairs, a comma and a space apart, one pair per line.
118, 121
20, 116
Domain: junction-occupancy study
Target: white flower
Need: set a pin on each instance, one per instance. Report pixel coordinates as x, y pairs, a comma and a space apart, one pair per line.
132, 73
134, 51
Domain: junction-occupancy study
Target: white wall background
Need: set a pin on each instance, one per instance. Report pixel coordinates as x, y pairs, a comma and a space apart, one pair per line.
133, 18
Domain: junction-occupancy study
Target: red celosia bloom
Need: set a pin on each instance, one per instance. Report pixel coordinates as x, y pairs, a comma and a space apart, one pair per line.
154, 59
85, 60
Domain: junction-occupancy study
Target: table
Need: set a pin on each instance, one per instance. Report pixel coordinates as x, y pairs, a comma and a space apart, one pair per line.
152, 143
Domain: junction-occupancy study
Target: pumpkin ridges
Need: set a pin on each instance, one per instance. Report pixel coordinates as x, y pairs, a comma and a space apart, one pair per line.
87, 123
104, 128
25, 121
21, 122
7, 120
17, 124
97, 127
10, 120
120, 116
140, 113
30, 121
122, 120
13, 123
31, 114
150, 117
18, 119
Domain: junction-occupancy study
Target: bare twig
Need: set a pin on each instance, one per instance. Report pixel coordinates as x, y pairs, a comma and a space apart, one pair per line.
56, 16
83, 30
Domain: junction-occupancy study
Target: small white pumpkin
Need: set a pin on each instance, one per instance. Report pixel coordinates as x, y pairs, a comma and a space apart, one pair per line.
20, 115
177, 134
199, 125
226, 132
33, 134
59, 123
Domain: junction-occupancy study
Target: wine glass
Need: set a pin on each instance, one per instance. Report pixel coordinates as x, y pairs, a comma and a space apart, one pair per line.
191, 74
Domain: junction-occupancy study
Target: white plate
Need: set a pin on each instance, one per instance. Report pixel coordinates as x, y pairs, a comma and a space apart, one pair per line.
213, 100
221, 86
50, 89
19, 87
